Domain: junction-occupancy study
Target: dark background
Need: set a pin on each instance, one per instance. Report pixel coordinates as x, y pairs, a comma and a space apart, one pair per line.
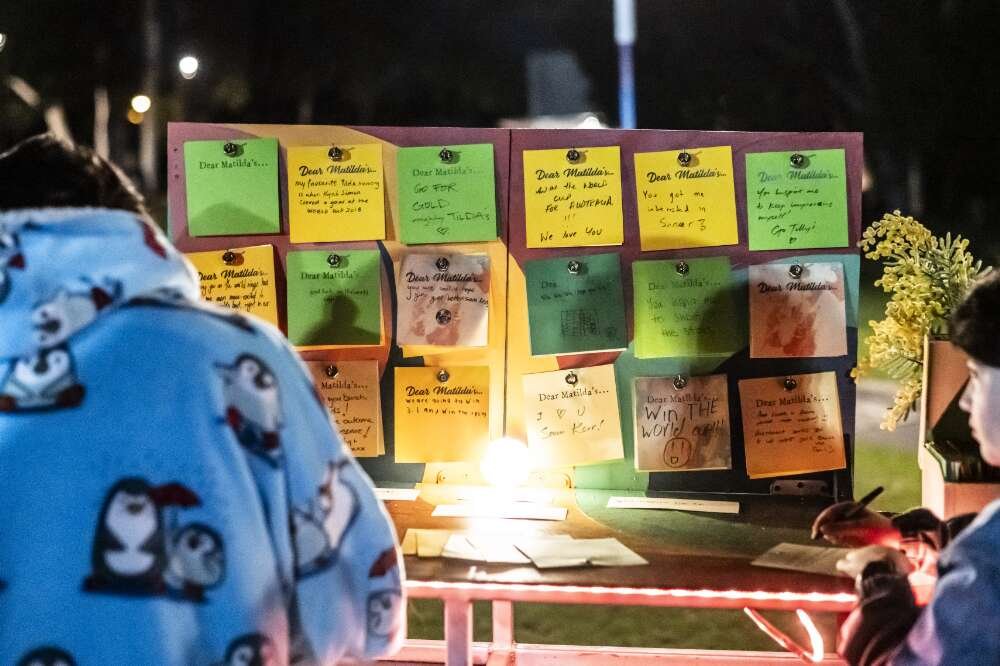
918, 77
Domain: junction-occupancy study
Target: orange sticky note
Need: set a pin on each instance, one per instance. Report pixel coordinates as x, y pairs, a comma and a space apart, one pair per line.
573, 199
350, 392
442, 414
792, 425
239, 278
335, 199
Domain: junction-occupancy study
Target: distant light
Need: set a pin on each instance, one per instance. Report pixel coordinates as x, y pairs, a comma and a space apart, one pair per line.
507, 462
3, 40
134, 116
188, 66
141, 103
590, 122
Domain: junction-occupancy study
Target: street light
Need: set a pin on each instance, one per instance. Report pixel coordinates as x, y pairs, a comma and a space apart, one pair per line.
141, 103
188, 66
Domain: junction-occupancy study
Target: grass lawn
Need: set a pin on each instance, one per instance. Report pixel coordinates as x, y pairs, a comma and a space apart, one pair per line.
675, 627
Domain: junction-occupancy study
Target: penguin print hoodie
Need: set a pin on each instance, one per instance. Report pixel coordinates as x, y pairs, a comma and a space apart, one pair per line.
171, 490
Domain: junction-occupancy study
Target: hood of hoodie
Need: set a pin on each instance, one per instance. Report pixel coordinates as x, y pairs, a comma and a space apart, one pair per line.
62, 269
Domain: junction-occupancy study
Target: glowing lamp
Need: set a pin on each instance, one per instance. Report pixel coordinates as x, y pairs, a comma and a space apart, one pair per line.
188, 66
141, 103
507, 462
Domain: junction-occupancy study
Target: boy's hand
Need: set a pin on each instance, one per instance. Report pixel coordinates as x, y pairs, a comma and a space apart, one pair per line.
855, 561
864, 529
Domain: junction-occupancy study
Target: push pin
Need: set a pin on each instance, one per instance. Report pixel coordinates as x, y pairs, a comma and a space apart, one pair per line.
684, 158
573, 155
574, 267
797, 160
442, 264
443, 316
572, 379
682, 268
335, 154
795, 270
680, 381
231, 149
332, 371
228, 257
442, 375
790, 383
334, 260
446, 155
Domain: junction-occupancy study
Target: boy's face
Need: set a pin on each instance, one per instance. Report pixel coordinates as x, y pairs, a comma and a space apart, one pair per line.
981, 399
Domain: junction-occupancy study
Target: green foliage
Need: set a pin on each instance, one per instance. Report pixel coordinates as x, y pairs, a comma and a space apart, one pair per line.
926, 276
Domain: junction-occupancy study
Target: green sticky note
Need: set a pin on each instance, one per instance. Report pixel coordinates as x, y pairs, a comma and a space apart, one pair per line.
803, 206
575, 304
334, 297
448, 198
232, 194
686, 308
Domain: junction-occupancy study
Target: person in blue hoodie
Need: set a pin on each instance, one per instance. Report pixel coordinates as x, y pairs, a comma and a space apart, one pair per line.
172, 490
961, 624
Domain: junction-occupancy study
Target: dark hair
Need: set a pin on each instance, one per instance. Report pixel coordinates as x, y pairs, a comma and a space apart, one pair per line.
45, 171
975, 326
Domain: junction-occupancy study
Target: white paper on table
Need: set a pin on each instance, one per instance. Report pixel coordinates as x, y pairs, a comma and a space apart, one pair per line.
707, 506
483, 493
552, 553
511, 510
810, 559
397, 494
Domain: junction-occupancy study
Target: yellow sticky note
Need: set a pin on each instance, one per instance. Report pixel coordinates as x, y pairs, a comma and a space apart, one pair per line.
792, 425
573, 197
442, 414
350, 392
240, 278
686, 198
335, 200
572, 416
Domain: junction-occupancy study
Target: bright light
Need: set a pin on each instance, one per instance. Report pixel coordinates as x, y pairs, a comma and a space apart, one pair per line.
590, 122
141, 103
507, 462
134, 116
3, 40
188, 66
814, 635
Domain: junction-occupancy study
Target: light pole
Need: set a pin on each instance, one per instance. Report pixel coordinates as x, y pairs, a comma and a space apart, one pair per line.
625, 39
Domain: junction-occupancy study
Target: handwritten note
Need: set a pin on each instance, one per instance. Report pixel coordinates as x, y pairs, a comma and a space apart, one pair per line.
797, 310
792, 425
573, 203
682, 423
443, 300
686, 198
797, 199
335, 200
245, 282
334, 297
350, 392
575, 304
232, 187
572, 416
810, 559
442, 417
686, 308
447, 195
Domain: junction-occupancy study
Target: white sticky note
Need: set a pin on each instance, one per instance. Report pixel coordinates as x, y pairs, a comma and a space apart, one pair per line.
512, 510
397, 494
